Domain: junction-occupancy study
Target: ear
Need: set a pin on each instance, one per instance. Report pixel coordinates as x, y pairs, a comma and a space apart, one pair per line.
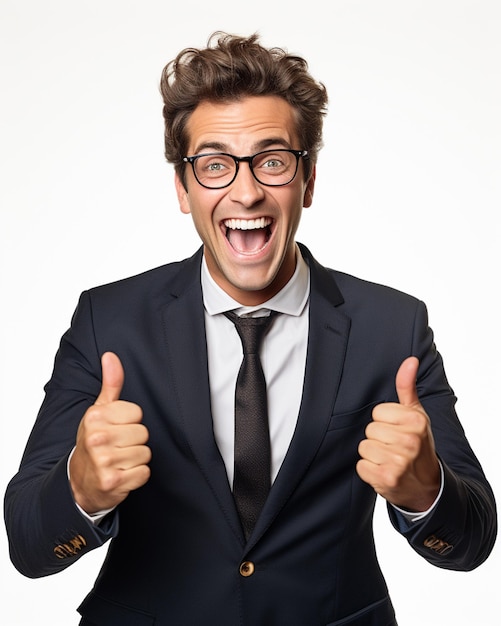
182, 195
310, 186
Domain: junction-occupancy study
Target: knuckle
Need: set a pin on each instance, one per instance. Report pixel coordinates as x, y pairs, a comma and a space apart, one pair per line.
93, 414
108, 481
410, 441
390, 478
97, 438
104, 459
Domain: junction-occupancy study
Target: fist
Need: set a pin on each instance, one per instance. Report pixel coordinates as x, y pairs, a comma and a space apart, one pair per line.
111, 457
398, 456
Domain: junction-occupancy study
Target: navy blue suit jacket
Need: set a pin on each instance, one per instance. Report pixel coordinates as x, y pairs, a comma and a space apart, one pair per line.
177, 545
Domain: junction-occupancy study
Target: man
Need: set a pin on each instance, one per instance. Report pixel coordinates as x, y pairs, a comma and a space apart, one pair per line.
142, 435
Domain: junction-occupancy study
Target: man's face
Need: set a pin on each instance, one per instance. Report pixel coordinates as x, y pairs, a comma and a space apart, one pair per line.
248, 229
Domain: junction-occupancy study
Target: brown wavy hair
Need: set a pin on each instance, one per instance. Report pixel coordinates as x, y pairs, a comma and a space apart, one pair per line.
233, 67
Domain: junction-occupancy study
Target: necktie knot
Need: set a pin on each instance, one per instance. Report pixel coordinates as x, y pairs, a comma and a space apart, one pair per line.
251, 330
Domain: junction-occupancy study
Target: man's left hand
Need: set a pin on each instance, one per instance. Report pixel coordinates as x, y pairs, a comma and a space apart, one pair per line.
398, 456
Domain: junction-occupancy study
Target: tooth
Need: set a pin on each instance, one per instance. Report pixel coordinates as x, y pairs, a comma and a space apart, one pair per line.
237, 224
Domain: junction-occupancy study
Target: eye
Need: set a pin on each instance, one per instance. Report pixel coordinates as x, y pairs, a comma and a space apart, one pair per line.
214, 165
272, 162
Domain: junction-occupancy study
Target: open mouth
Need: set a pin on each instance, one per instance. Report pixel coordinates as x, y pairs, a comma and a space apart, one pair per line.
248, 236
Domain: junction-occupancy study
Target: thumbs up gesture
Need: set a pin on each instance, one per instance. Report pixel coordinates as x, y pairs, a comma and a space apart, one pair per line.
398, 456
111, 456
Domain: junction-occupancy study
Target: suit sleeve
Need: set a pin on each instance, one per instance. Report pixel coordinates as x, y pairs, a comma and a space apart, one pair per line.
460, 531
46, 531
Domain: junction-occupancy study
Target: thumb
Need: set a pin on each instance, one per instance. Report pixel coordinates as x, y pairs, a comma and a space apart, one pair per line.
113, 378
405, 382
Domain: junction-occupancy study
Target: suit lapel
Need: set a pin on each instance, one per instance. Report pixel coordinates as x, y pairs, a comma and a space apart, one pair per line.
327, 341
184, 330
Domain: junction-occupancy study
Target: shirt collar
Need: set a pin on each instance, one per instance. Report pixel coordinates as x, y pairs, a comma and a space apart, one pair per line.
291, 299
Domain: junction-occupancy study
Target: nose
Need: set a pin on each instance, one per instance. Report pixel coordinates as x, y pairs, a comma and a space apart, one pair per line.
245, 189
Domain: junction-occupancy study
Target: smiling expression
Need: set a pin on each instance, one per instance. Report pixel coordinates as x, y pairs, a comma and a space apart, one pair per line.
247, 228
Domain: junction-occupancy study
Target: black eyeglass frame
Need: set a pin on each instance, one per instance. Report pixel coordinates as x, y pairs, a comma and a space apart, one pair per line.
245, 159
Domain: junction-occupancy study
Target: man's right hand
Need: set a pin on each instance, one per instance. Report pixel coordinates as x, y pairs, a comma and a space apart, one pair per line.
111, 456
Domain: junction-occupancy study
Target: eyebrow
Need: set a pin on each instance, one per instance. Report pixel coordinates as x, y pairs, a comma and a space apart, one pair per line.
257, 147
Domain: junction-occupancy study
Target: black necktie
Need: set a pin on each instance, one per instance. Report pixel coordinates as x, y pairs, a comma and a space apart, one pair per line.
251, 482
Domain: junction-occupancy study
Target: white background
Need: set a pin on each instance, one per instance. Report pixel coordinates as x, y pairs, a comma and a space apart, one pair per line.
408, 194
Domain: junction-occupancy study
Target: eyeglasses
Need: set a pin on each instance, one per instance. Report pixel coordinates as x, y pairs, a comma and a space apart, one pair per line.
273, 168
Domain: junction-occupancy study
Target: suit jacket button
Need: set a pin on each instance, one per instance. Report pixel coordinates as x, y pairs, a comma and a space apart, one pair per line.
246, 568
